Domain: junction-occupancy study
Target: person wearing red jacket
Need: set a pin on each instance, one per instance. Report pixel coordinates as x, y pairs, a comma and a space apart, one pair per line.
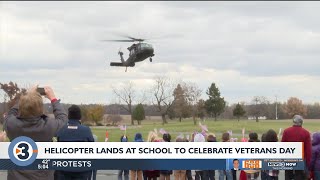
298, 134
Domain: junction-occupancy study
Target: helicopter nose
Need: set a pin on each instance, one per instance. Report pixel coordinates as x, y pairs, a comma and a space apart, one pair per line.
150, 50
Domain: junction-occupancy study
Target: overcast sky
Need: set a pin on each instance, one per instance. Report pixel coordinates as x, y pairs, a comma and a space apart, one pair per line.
247, 48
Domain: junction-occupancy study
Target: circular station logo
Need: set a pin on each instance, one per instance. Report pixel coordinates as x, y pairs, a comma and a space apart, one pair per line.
23, 151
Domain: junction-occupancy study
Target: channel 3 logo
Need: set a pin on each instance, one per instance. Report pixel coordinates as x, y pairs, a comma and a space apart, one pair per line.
23, 151
251, 164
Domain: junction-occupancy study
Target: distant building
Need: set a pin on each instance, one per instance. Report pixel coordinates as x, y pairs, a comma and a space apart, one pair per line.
260, 117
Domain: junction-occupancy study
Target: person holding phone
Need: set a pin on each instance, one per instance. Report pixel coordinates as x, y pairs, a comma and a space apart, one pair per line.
26, 118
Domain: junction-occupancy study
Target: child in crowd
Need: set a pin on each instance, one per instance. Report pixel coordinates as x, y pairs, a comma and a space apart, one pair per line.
136, 174
271, 136
223, 173
253, 137
179, 174
251, 174
165, 174
264, 173
199, 173
153, 174
124, 172
210, 173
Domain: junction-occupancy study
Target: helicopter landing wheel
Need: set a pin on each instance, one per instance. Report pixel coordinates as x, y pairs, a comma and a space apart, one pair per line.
150, 59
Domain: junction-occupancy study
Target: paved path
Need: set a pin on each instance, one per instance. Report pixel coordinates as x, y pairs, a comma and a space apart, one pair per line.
112, 175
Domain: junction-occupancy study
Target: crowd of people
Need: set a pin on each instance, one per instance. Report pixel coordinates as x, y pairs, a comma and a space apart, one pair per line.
26, 118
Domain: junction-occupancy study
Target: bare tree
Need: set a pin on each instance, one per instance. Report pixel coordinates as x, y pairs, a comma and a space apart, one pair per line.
193, 93
113, 119
163, 99
258, 107
128, 96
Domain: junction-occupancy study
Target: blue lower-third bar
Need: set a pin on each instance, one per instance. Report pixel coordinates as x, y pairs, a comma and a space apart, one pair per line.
109, 164
155, 164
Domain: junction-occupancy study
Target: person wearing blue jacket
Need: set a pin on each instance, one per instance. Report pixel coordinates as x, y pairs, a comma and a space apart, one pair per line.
123, 171
73, 131
136, 174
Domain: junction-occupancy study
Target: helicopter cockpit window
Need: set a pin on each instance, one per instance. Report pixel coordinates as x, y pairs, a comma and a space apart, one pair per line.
146, 45
132, 51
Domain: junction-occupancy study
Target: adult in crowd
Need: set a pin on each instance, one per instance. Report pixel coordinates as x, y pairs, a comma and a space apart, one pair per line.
123, 172
315, 160
26, 118
297, 133
136, 174
94, 172
74, 131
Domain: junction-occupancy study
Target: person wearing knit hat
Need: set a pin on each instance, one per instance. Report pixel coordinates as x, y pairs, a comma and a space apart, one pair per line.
123, 173
199, 173
136, 173
297, 133
73, 131
199, 138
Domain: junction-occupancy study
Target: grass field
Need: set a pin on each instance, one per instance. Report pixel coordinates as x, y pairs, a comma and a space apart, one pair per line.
186, 127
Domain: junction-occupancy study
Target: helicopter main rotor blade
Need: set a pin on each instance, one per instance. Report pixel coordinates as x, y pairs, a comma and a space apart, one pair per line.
119, 40
135, 39
132, 38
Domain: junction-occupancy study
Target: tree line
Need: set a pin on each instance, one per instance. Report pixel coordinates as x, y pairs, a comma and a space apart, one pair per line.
175, 100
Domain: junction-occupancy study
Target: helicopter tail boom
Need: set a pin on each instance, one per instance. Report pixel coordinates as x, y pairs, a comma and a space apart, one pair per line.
116, 64
121, 64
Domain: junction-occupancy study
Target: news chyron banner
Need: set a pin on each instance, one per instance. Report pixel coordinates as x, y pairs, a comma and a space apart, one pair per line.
24, 153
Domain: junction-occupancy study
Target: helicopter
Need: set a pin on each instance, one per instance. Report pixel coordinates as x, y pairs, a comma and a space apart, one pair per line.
138, 52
